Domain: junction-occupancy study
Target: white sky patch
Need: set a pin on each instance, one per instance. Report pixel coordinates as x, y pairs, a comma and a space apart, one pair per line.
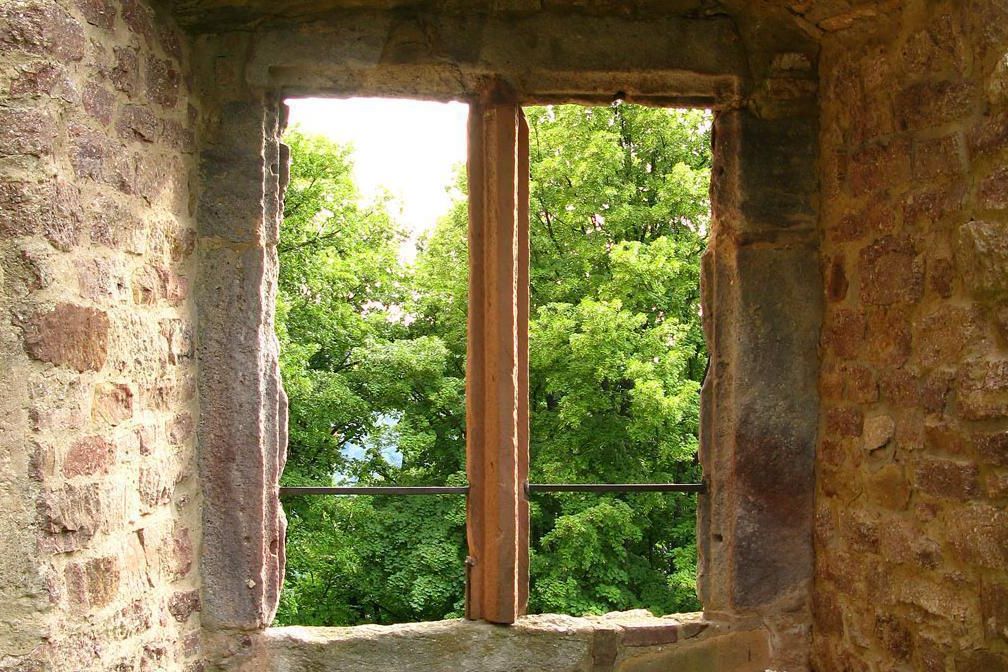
408, 147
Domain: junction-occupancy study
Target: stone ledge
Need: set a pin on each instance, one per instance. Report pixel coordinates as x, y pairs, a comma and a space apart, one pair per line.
631, 641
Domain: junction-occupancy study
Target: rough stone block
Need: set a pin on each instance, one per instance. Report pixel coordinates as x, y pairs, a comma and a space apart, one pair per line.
946, 478
41, 27
183, 605
891, 272
979, 534
929, 104
69, 335
163, 82
982, 256
113, 403
88, 456
993, 191
26, 131
983, 390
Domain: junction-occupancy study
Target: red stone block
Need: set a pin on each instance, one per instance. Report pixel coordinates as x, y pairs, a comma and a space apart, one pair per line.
69, 335
994, 604
945, 478
125, 74
101, 13
993, 191
98, 103
847, 421
929, 104
983, 390
844, 332
26, 131
42, 28
981, 660
43, 78
88, 456
162, 82
137, 122
184, 604
891, 272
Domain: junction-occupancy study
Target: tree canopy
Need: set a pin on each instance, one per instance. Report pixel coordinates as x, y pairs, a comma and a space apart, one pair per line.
373, 358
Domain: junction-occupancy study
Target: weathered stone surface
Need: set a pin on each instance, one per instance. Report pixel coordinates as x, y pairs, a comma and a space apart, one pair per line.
75, 592
925, 536
69, 335
983, 256
533, 644
88, 456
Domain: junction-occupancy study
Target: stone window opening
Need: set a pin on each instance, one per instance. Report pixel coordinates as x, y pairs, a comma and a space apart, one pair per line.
754, 537
497, 443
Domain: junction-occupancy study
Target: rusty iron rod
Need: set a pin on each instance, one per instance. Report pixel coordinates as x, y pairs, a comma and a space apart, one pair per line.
530, 488
376, 490
616, 487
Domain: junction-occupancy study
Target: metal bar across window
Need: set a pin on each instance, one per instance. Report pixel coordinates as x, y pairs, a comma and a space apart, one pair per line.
530, 488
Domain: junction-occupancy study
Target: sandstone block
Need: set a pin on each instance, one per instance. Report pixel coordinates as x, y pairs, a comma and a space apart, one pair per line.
889, 341
983, 256
137, 122
51, 208
878, 432
844, 421
878, 165
937, 160
891, 272
162, 82
45, 78
184, 604
983, 390
993, 191
125, 73
994, 602
113, 403
26, 131
930, 104
981, 660
98, 102
101, 13
889, 488
844, 332
979, 534
946, 478
895, 636
93, 584
42, 28
87, 456
69, 335
992, 448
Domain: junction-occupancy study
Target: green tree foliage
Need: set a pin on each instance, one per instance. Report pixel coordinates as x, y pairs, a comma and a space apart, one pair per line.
373, 356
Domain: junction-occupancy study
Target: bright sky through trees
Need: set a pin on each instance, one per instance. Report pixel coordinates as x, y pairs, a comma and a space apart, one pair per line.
408, 147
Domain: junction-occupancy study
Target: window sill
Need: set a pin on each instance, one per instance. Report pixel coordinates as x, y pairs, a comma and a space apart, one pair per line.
623, 641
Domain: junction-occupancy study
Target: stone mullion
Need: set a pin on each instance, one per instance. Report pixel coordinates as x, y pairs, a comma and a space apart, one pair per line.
497, 365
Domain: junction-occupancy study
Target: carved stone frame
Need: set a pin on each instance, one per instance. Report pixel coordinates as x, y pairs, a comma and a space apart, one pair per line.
761, 285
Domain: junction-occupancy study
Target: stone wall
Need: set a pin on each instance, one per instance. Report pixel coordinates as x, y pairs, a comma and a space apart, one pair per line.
98, 486
912, 488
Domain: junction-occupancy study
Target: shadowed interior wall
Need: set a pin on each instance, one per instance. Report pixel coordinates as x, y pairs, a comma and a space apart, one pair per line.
912, 496
101, 500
